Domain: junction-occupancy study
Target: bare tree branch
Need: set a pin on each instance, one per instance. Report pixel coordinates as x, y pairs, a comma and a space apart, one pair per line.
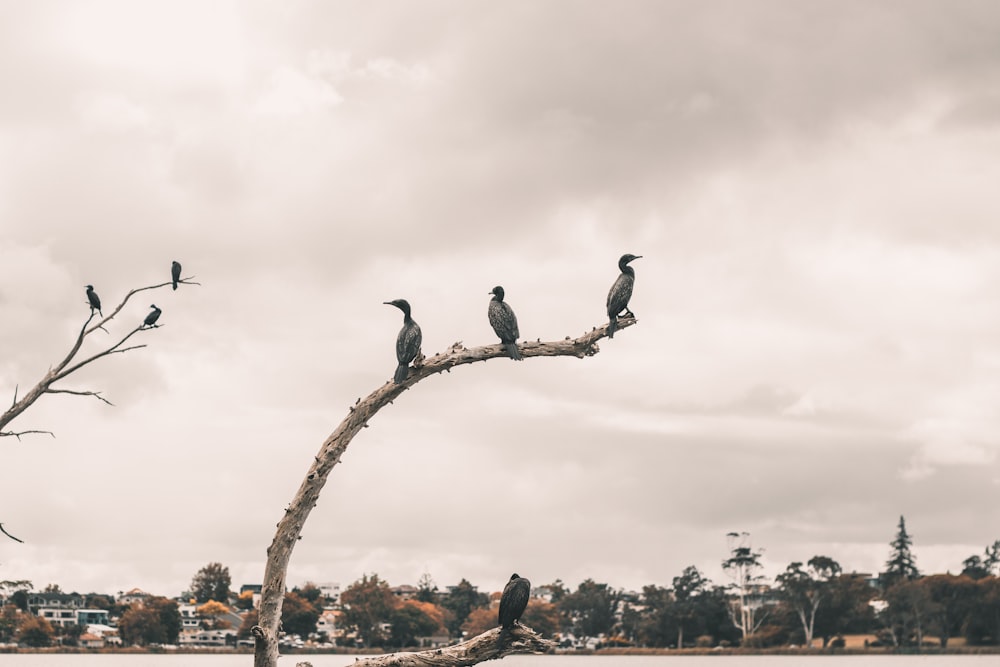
289, 528
67, 367
478, 649
95, 394
4, 531
18, 434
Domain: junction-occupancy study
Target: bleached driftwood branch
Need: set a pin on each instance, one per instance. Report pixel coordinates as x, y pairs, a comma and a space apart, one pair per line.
289, 528
473, 651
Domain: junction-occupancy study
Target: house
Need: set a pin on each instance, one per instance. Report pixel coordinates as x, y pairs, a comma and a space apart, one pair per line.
404, 592
327, 622
57, 617
88, 640
208, 638
92, 617
38, 601
133, 596
107, 634
190, 621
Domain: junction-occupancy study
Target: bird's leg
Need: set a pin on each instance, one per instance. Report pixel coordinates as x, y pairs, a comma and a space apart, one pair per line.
628, 313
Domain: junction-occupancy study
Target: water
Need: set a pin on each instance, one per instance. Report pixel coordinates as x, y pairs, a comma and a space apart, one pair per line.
229, 660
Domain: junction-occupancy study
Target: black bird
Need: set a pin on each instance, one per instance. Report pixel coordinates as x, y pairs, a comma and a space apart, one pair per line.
504, 323
512, 604
175, 273
152, 317
621, 292
407, 342
95, 301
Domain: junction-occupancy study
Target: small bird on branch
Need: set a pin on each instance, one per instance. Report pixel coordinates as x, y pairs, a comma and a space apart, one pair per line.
620, 293
175, 272
407, 342
504, 322
154, 315
95, 301
513, 602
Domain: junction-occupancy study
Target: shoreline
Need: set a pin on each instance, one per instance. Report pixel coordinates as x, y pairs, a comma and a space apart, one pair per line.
910, 650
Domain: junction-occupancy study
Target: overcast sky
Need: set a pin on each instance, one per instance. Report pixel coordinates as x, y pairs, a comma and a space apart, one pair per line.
812, 185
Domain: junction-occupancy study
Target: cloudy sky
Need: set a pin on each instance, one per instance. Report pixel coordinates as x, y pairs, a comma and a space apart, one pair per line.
813, 186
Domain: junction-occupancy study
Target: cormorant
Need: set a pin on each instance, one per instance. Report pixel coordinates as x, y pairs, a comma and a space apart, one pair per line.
621, 292
504, 323
512, 604
152, 317
175, 273
95, 301
407, 342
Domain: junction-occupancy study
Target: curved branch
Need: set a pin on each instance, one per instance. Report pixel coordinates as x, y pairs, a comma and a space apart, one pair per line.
290, 526
478, 649
4, 531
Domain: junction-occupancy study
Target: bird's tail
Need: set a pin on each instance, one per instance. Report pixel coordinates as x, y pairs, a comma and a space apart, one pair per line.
401, 372
612, 326
513, 352
175, 284
504, 636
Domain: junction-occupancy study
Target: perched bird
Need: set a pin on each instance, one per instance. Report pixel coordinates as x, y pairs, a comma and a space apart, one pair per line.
407, 342
175, 273
152, 317
95, 301
504, 323
621, 292
512, 604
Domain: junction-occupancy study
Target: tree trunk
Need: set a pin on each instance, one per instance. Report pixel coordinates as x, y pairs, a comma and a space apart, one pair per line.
289, 528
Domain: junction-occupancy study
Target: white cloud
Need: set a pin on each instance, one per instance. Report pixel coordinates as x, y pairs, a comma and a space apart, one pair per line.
111, 111
291, 93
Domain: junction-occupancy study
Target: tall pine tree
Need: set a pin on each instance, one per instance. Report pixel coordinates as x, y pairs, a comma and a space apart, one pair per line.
901, 564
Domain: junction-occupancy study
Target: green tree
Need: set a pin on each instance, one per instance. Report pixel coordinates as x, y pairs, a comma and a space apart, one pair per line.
974, 568
686, 589
902, 565
10, 618
541, 616
299, 615
34, 631
427, 590
982, 625
249, 620
846, 608
211, 583
368, 603
155, 621
590, 609
312, 593
744, 567
977, 567
805, 589
952, 599
460, 601
908, 612
409, 621
657, 624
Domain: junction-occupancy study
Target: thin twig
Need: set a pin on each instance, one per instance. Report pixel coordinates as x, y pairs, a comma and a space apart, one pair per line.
95, 394
18, 434
4, 531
